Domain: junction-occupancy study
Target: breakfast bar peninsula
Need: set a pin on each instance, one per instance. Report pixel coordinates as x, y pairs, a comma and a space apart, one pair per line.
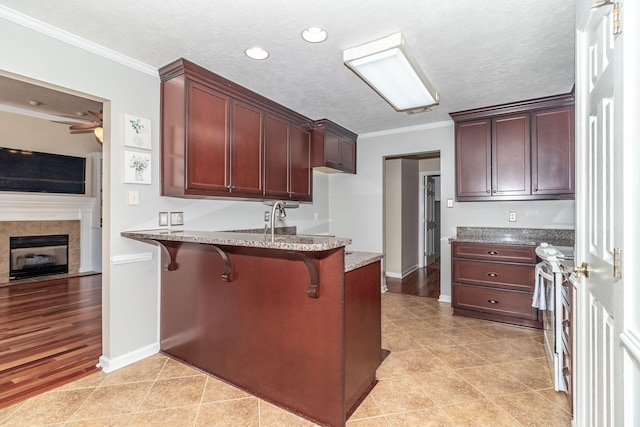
290, 319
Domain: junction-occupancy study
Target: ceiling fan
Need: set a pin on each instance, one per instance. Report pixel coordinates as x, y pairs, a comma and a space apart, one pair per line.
95, 125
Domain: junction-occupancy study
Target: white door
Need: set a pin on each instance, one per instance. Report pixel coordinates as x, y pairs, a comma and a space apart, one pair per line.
607, 169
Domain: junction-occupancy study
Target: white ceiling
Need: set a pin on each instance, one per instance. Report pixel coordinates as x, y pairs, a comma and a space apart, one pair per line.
476, 53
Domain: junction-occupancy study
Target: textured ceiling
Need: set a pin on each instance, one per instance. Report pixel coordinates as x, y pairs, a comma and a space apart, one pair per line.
476, 53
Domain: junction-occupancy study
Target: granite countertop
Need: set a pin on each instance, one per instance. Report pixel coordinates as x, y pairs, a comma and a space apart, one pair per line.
515, 236
354, 260
253, 240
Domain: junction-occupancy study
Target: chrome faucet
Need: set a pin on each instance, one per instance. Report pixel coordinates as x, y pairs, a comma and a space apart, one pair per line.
279, 208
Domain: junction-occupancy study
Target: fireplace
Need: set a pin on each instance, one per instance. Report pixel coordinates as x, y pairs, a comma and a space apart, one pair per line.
31, 256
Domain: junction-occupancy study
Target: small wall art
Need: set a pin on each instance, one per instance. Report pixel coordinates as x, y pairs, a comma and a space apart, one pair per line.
137, 132
137, 167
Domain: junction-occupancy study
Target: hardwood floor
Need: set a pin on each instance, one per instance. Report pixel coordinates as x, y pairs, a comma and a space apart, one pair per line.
424, 282
50, 334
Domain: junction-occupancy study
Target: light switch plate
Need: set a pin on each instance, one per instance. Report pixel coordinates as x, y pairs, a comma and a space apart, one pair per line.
163, 219
513, 217
176, 218
133, 197
449, 203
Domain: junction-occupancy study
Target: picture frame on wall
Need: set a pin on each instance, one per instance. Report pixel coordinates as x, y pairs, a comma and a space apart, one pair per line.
137, 132
137, 167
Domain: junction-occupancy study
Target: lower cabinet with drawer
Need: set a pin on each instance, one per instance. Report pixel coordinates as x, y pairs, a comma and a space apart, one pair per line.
494, 282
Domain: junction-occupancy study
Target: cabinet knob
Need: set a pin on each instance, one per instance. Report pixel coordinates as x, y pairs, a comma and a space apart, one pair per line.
494, 190
492, 301
492, 274
535, 189
492, 252
488, 191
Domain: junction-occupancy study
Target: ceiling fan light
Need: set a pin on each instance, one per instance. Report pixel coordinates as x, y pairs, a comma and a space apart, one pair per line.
98, 132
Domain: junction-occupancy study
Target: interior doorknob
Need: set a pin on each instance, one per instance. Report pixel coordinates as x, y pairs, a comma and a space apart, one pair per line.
584, 269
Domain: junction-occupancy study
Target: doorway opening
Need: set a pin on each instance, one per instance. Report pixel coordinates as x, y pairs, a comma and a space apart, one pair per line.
412, 223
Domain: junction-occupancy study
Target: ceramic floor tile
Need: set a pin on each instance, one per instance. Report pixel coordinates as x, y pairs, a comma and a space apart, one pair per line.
391, 367
217, 390
465, 335
457, 357
230, 413
113, 400
419, 361
491, 380
508, 350
112, 421
48, 408
174, 369
431, 417
558, 398
399, 342
430, 338
273, 416
367, 409
531, 409
175, 392
397, 313
174, 417
90, 381
529, 372
480, 413
370, 422
401, 394
446, 387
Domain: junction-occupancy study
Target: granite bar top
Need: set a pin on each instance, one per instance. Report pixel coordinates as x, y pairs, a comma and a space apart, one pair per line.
515, 236
252, 240
354, 260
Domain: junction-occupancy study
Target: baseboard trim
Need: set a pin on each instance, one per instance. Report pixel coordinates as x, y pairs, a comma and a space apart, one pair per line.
445, 298
110, 365
402, 275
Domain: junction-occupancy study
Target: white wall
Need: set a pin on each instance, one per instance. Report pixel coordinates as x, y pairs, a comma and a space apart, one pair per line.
356, 201
47, 56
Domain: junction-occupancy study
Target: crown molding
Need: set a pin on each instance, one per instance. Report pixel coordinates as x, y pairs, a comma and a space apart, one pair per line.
73, 40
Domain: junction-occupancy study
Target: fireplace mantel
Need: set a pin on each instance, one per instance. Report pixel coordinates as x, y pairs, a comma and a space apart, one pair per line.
47, 207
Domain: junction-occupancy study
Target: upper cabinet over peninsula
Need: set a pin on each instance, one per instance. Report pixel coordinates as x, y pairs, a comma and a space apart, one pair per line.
516, 151
334, 147
220, 139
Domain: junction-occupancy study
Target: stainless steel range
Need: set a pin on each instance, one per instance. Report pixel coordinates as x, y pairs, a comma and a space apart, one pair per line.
553, 295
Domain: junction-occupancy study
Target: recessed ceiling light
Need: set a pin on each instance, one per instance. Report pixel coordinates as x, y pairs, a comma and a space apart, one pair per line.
314, 35
256, 53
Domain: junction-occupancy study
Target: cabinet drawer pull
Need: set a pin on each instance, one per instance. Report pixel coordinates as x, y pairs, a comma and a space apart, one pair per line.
492, 301
566, 322
492, 252
492, 274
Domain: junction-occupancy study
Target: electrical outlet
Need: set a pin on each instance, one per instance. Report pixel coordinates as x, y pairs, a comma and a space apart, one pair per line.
176, 218
513, 217
163, 219
267, 215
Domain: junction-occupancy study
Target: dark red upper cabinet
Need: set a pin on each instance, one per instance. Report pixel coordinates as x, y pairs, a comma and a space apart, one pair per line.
519, 151
334, 147
219, 139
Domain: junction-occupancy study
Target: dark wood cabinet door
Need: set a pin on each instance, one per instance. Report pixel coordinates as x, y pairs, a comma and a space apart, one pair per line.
300, 183
473, 159
348, 155
207, 132
553, 148
276, 157
246, 149
332, 149
511, 154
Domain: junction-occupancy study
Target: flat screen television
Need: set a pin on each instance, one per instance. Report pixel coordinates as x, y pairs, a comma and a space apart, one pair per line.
32, 171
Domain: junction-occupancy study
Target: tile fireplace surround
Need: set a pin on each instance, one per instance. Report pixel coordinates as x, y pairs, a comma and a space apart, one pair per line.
33, 215
39, 228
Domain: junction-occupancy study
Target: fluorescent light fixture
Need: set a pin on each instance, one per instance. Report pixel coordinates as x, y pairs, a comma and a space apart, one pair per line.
390, 69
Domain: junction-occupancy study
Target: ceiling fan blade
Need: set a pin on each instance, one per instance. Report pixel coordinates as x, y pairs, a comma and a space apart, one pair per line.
98, 115
87, 126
